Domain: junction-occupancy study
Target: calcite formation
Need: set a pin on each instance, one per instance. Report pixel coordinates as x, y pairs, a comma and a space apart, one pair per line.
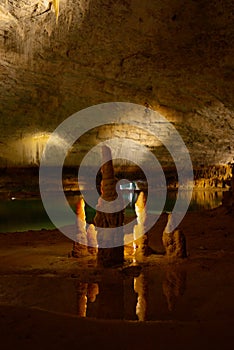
80, 247
141, 248
174, 241
92, 240
86, 238
111, 246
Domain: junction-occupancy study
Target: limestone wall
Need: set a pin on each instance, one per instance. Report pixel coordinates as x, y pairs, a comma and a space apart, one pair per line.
177, 56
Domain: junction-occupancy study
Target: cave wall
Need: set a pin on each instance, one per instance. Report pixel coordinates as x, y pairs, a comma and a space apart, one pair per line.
174, 55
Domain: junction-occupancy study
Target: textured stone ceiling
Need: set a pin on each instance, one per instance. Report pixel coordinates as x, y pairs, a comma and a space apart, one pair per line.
175, 55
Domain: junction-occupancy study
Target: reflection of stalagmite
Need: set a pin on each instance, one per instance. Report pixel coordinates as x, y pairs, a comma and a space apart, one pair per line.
85, 292
174, 286
114, 253
140, 287
174, 241
92, 240
81, 289
140, 237
80, 247
93, 291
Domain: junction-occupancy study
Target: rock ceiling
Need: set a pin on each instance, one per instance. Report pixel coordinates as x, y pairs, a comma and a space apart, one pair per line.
176, 55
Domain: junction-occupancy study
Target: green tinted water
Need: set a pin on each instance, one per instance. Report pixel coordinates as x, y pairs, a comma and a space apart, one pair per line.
29, 214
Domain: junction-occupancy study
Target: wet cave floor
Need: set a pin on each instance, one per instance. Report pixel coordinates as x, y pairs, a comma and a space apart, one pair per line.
49, 300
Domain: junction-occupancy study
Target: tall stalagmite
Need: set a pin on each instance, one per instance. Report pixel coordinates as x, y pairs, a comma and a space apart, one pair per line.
140, 237
113, 253
80, 247
92, 240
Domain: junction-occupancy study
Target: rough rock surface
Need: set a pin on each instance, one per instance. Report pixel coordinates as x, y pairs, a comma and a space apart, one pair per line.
176, 56
174, 241
111, 245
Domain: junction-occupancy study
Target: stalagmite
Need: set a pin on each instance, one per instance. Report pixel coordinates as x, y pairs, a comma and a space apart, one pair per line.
92, 240
140, 237
174, 241
114, 253
80, 248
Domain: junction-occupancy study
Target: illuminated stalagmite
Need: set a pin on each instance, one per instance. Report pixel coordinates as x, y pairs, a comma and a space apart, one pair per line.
140, 238
80, 248
114, 253
87, 240
92, 240
174, 241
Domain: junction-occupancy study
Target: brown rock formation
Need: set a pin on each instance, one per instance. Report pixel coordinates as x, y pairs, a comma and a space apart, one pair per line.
114, 253
174, 241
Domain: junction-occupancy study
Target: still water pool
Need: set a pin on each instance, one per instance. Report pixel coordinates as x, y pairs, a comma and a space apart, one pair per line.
29, 214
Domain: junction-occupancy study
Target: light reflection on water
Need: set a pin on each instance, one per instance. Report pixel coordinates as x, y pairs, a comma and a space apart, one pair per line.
29, 214
144, 296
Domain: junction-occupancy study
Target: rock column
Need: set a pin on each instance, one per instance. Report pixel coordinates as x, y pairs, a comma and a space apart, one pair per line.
113, 254
140, 237
80, 248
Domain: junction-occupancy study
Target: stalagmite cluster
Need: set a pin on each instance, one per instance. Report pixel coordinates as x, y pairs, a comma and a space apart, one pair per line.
174, 241
85, 292
114, 252
86, 240
141, 248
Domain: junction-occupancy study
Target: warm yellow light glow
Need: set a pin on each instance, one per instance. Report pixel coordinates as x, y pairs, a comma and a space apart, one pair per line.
56, 8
